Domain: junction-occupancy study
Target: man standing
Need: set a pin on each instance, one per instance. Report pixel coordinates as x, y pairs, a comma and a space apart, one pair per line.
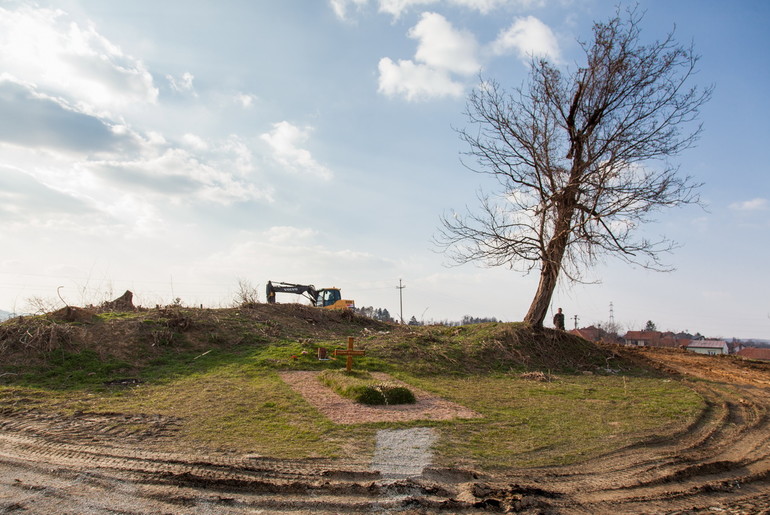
558, 320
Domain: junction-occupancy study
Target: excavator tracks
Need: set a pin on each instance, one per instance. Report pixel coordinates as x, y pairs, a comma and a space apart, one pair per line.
120, 463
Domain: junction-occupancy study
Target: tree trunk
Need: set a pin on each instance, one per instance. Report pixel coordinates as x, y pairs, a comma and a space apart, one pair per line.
539, 307
552, 258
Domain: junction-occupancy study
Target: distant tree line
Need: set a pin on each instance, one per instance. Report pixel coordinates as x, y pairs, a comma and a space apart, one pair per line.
381, 314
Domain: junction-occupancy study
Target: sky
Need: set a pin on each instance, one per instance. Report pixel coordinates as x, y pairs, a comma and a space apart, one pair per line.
187, 149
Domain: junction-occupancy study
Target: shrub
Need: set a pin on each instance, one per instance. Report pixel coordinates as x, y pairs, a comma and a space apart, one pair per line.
362, 388
366, 394
398, 395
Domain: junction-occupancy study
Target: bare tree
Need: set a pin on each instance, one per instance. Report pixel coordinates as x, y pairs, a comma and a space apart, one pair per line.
581, 159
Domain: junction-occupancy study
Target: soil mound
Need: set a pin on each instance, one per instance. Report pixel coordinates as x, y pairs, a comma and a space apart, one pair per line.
70, 314
130, 332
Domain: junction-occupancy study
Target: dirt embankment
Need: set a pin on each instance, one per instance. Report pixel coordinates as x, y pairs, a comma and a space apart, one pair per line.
117, 463
96, 464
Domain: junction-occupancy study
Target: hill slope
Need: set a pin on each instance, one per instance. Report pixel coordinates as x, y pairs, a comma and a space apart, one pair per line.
184, 411
137, 338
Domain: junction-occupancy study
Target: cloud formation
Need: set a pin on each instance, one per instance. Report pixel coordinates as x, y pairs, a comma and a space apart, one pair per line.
23, 200
443, 54
396, 8
183, 84
286, 143
32, 119
527, 37
756, 204
340, 7
51, 52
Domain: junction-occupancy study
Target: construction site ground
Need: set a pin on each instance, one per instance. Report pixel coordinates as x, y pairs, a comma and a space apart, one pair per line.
95, 463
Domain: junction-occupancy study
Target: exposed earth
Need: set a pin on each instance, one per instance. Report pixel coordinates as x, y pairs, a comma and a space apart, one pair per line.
100, 463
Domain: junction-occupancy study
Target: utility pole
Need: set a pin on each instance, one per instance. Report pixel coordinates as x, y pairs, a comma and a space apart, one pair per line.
401, 299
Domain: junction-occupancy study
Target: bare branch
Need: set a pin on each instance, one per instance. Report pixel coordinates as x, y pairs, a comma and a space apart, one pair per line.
582, 159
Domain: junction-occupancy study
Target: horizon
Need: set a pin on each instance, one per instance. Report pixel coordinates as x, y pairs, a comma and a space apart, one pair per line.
176, 148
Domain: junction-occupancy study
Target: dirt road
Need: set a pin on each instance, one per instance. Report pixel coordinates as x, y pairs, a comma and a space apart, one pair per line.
95, 463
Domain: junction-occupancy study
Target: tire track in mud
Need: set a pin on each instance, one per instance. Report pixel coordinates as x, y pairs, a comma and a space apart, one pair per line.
102, 462
239, 483
722, 460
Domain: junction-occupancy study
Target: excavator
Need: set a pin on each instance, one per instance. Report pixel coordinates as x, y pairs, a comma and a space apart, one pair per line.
329, 298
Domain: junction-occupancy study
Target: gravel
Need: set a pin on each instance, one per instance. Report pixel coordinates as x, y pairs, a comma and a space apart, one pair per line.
402, 453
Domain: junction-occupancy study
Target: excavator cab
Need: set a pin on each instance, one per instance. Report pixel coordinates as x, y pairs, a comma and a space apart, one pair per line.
328, 297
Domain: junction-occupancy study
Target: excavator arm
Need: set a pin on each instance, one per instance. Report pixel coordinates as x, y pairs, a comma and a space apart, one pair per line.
306, 290
323, 298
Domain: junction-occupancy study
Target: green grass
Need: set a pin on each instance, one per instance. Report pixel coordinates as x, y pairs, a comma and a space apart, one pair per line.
533, 424
72, 371
244, 407
218, 375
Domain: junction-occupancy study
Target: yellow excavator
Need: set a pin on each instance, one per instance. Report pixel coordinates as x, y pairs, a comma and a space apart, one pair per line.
329, 298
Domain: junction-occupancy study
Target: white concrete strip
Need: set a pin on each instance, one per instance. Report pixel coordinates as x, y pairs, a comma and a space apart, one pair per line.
403, 453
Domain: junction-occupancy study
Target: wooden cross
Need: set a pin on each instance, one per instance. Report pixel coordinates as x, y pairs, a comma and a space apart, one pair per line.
350, 352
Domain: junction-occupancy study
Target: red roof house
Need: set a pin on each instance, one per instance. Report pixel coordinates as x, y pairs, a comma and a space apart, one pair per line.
755, 353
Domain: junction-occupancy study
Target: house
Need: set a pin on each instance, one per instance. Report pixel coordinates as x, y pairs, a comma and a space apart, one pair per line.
590, 333
755, 353
596, 334
708, 347
673, 341
642, 338
655, 339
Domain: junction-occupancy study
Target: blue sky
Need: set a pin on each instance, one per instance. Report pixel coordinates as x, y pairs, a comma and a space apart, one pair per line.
176, 148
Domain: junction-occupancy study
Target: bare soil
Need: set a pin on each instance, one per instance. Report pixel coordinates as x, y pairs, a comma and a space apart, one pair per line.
345, 411
100, 463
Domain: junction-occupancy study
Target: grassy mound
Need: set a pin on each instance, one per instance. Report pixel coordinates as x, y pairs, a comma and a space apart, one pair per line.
287, 337
214, 372
362, 387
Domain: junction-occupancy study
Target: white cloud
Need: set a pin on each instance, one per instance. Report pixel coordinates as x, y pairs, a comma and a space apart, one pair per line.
486, 6
527, 37
195, 142
173, 174
239, 154
415, 81
756, 204
286, 142
134, 189
340, 7
245, 100
397, 7
33, 119
443, 52
286, 234
183, 84
443, 47
55, 54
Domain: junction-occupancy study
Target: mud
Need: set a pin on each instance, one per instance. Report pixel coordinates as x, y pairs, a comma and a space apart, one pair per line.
110, 463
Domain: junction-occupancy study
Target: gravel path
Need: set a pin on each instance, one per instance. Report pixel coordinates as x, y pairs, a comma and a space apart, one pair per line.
401, 453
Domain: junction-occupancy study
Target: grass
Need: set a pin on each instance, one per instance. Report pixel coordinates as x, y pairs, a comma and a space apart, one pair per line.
218, 376
534, 424
243, 407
